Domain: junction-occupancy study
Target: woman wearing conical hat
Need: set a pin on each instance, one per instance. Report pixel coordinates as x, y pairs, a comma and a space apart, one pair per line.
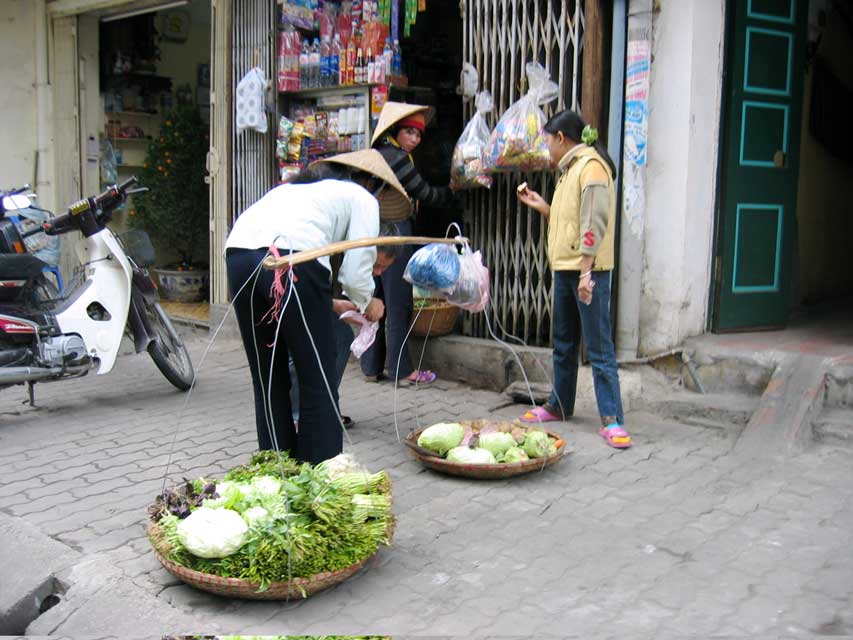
333, 200
399, 131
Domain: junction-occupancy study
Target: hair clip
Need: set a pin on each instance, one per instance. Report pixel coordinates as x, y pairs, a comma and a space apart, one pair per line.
589, 135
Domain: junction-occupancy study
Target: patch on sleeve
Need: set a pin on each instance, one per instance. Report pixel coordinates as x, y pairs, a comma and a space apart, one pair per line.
589, 239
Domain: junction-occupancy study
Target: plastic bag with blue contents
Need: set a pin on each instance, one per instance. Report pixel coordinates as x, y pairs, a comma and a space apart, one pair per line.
435, 267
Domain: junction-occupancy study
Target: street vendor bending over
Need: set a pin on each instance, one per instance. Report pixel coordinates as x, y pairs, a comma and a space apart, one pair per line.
331, 201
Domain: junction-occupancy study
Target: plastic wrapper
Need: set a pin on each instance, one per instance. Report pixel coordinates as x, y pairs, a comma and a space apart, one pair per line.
518, 142
435, 267
250, 107
285, 128
366, 333
466, 166
472, 286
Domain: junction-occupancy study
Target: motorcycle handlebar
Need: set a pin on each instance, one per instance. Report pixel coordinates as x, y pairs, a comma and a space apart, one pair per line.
106, 200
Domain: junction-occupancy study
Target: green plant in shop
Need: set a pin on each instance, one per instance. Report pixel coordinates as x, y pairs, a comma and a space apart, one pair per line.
175, 209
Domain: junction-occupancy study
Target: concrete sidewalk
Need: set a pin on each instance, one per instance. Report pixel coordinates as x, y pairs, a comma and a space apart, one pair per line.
674, 537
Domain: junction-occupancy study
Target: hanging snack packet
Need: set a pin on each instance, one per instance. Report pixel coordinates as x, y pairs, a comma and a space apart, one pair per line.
435, 267
466, 167
285, 128
472, 287
518, 142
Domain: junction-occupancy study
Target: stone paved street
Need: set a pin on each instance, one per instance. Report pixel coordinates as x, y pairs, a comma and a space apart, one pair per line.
674, 537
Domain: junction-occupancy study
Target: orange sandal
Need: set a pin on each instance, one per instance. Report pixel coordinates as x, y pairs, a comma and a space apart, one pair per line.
615, 436
539, 414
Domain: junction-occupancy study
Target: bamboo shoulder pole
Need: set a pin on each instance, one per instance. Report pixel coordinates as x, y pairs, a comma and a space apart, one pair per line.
271, 262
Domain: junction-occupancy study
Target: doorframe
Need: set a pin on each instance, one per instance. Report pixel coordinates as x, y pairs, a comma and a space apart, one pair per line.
715, 281
717, 250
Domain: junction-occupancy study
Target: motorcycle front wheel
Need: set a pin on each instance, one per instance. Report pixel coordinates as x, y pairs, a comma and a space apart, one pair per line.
167, 350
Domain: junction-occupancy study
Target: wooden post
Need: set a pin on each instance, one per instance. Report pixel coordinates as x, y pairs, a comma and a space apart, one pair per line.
594, 65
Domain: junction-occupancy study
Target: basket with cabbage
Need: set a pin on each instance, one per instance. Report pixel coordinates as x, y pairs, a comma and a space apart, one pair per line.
485, 449
274, 528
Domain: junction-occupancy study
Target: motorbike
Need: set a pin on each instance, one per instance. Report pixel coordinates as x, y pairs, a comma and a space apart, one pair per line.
47, 335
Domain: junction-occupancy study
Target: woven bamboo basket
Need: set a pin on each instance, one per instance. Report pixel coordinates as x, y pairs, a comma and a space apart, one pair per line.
295, 589
484, 471
435, 319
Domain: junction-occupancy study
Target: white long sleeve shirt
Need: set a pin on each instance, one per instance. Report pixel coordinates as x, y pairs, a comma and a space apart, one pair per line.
308, 216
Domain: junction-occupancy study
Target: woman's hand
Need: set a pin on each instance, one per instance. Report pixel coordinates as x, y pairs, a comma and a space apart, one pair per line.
375, 310
585, 285
527, 196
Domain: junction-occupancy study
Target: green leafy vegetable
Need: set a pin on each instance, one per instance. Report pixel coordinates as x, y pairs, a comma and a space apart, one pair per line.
467, 455
441, 438
537, 444
496, 442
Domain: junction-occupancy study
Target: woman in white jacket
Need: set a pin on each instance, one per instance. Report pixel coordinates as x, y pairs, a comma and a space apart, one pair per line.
330, 201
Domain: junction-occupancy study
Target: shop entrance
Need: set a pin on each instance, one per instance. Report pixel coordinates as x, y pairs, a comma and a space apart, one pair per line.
786, 165
131, 98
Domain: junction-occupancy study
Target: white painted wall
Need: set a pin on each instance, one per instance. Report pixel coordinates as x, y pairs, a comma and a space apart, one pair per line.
684, 121
18, 99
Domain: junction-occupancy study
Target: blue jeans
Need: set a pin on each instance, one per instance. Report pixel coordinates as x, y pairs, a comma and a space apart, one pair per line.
570, 317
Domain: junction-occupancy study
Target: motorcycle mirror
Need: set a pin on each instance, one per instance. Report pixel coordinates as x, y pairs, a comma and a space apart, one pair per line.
10, 203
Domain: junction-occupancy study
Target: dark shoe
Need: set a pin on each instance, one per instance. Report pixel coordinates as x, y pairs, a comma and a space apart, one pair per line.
379, 377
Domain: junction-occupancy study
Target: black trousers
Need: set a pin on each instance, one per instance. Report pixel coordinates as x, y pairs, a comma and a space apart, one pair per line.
319, 436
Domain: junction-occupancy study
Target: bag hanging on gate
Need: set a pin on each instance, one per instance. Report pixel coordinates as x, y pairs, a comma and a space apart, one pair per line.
518, 142
466, 167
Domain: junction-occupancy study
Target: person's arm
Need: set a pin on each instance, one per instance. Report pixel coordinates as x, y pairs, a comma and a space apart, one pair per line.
594, 216
356, 275
595, 207
412, 181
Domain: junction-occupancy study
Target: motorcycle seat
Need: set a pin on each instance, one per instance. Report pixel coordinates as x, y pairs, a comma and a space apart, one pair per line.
20, 266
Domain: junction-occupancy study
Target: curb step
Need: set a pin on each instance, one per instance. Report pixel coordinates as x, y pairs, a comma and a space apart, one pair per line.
835, 426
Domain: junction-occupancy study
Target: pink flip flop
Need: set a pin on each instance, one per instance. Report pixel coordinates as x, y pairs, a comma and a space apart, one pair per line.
422, 377
539, 414
615, 436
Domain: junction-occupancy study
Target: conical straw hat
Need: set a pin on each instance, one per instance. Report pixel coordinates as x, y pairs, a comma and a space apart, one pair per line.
393, 112
394, 204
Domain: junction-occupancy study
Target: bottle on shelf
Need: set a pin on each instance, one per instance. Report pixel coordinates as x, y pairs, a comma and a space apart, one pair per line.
304, 57
387, 58
335, 61
359, 67
325, 62
369, 67
352, 52
314, 64
397, 64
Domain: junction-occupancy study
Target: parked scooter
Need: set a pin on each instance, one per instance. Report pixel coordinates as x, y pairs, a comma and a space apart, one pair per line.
45, 336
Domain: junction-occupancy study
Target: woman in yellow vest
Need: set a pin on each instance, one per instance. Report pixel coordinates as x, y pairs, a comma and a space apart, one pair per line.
581, 219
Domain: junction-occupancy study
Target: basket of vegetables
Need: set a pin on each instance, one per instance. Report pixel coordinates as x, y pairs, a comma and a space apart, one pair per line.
433, 317
485, 449
273, 529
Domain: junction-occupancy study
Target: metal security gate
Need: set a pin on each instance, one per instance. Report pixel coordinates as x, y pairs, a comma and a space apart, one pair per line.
253, 169
500, 37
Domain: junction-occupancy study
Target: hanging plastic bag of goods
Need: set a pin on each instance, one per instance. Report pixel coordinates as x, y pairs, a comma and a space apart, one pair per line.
466, 166
518, 142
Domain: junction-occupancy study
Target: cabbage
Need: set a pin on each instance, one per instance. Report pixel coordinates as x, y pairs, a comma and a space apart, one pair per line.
255, 514
496, 442
467, 455
441, 438
266, 485
515, 454
536, 444
212, 533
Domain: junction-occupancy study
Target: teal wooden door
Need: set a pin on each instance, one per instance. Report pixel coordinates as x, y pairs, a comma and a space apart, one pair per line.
761, 146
